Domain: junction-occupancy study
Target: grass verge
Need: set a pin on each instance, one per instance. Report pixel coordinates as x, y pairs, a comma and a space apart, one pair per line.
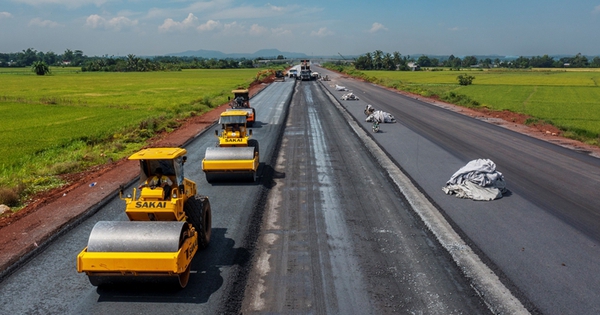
71, 121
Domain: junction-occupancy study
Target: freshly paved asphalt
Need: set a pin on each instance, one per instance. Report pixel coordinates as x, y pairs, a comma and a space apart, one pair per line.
543, 239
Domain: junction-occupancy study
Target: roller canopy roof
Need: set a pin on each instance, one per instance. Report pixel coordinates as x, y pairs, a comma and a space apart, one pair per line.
158, 154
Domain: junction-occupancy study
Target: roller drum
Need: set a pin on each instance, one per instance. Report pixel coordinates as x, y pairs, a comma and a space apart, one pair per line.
129, 236
229, 153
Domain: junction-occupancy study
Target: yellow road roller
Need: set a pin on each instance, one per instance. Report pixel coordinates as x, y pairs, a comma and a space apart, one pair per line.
241, 101
168, 223
236, 156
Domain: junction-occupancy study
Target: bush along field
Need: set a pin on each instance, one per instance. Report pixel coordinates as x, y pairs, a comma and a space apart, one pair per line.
569, 100
69, 121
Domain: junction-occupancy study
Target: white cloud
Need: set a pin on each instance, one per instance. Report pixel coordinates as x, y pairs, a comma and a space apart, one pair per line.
377, 27
170, 25
596, 10
115, 24
256, 30
281, 32
232, 12
67, 3
239, 29
209, 26
118, 22
43, 23
233, 28
455, 29
5, 15
94, 21
276, 8
322, 32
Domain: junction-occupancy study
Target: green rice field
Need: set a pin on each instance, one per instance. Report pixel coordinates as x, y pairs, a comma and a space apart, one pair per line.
70, 120
569, 100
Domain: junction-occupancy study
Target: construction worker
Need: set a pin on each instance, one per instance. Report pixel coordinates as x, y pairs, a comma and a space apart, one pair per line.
240, 101
159, 180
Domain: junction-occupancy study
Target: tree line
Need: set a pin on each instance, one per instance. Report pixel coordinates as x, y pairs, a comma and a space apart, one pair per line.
76, 58
378, 60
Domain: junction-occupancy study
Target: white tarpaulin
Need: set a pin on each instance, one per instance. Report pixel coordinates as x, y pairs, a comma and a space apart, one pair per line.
478, 180
381, 116
350, 97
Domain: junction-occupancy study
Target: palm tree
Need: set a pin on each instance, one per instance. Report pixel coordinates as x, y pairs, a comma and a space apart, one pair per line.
369, 61
40, 68
378, 59
388, 62
397, 61
132, 62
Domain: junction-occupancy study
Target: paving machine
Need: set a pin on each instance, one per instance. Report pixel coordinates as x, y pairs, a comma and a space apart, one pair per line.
235, 157
241, 101
166, 227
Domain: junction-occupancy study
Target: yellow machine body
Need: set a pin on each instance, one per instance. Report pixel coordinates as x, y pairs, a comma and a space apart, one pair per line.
139, 263
236, 156
160, 239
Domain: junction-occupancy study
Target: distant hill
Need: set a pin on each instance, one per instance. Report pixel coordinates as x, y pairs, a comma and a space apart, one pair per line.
263, 53
273, 53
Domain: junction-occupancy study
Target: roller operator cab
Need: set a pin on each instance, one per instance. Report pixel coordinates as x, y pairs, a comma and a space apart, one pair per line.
167, 226
241, 101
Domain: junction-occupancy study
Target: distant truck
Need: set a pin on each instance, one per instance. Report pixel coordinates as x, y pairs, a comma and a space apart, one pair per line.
305, 72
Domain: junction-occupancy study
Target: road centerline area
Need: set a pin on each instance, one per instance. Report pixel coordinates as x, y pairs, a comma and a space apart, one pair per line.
496, 295
332, 201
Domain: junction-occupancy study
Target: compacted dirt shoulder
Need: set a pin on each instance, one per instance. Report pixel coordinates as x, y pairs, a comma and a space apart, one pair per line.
48, 213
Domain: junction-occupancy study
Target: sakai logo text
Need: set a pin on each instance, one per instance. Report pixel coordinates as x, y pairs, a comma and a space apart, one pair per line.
234, 140
191, 250
151, 204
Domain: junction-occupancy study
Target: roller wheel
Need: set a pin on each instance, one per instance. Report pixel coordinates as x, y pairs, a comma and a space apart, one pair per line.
210, 178
253, 143
199, 215
184, 277
95, 280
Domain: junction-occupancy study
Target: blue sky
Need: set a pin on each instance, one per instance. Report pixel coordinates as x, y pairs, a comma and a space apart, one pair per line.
326, 27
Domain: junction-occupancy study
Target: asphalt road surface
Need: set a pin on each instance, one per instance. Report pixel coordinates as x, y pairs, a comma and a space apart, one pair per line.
49, 283
326, 230
337, 236
543, 238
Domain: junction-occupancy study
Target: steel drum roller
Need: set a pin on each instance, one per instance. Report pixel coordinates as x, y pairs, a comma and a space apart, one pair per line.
229, 153
136, 236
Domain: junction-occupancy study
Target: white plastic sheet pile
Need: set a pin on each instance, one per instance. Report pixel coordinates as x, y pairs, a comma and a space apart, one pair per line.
381, 116
478, 180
